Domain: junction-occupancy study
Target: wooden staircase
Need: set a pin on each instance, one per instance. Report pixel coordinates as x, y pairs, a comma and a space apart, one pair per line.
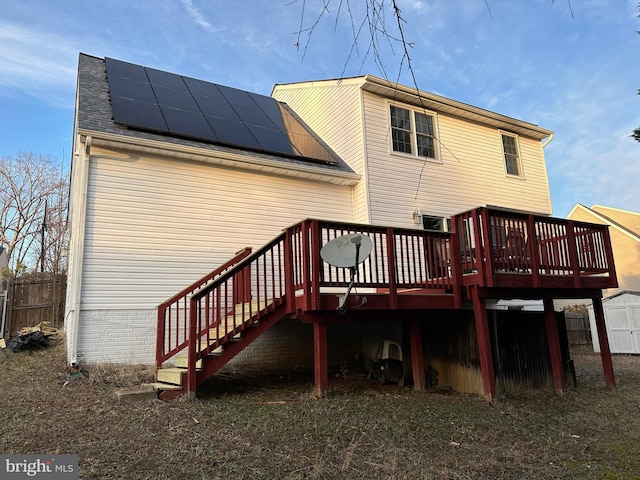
239, 329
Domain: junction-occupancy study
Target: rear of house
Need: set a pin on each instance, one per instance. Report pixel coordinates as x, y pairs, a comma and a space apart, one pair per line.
173, 177
423, 157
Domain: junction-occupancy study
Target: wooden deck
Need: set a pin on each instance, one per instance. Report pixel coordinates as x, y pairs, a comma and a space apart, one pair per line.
491, 254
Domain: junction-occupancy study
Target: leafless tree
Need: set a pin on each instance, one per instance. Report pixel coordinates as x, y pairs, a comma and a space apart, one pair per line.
373, 23
33, 204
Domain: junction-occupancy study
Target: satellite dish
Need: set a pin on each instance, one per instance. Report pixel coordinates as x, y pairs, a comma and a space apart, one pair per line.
347, 251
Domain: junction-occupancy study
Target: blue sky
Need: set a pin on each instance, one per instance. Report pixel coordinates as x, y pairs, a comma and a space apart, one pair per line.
570, 67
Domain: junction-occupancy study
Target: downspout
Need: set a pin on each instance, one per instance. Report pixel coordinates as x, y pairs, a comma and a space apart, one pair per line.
544, 164
78, 221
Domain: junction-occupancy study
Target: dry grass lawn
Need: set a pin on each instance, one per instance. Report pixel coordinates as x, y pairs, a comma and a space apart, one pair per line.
260, 427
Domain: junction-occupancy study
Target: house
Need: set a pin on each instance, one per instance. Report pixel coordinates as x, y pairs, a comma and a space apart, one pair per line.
173, 176
624, 228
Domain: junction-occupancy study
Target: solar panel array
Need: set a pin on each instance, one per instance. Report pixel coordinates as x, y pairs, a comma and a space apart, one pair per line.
167, 103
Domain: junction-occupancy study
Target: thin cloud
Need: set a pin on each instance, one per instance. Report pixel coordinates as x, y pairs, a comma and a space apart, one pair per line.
39, 64
197, 17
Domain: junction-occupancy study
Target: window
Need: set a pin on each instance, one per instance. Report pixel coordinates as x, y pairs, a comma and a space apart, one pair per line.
412, 132
511, 157
437, 224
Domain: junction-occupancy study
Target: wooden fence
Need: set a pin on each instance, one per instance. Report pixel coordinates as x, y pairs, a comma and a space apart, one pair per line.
33, 299
578, 328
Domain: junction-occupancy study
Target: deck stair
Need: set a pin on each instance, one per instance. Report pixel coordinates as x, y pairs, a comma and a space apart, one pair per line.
490, 254
239, 328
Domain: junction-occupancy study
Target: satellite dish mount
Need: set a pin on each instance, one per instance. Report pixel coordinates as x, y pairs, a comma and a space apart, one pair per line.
347, 251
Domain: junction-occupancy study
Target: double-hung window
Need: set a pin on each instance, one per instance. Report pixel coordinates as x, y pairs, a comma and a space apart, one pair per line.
412, 132
511, 156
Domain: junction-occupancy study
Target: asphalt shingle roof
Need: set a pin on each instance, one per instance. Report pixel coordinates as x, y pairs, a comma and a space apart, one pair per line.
95, 114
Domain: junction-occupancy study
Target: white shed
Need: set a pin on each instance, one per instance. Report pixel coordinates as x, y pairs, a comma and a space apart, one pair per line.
622, 317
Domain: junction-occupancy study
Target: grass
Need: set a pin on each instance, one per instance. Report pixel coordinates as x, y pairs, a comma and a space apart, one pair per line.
253, 426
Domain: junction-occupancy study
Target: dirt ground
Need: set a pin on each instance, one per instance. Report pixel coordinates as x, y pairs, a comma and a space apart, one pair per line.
257, 427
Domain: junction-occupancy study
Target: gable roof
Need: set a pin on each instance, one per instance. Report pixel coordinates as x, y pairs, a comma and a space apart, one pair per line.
95, 119
597, 212
431, 101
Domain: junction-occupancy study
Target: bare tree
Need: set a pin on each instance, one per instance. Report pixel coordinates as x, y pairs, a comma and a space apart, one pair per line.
33, 204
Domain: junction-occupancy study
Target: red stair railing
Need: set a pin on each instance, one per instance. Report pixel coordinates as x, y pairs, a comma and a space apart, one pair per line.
173, 313
234, 301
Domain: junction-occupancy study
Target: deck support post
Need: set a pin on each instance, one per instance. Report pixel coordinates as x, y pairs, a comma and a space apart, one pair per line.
603, 339
553, 339
417, 356
320, 360
484, 345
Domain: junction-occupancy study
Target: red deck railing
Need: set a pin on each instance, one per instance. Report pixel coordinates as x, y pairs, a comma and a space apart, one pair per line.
494, 242
288, 273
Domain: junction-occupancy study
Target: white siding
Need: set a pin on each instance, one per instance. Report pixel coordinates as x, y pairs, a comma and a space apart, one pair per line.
470, 173
156, 225
333, 110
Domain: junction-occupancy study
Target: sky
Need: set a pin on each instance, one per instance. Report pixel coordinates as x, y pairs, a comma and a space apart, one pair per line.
571, 66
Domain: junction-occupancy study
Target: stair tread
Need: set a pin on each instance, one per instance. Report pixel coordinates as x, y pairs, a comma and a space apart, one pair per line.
163, 386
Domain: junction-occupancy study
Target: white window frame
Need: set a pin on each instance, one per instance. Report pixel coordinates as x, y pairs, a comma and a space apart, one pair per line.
505, 155
412, 132
445, 223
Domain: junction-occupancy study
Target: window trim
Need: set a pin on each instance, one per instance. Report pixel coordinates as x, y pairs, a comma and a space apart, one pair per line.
519, 165
413, 133
445, 223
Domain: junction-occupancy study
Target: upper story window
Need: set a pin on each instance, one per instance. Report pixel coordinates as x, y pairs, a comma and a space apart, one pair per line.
412, 132
511, 155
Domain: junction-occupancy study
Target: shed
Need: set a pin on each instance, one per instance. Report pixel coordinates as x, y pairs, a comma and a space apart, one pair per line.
622, 318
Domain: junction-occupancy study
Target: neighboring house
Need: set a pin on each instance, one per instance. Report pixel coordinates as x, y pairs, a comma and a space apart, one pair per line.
172, 176
624, 228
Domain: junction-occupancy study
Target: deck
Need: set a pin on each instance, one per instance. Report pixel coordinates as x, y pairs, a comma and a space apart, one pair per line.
490, 254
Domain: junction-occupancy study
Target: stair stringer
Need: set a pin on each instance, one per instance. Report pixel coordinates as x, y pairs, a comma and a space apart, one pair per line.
232, 347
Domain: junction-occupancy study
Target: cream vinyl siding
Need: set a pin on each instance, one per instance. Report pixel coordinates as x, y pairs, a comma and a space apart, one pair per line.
470, 171
333, 111
626, 252
630, 220
156, 225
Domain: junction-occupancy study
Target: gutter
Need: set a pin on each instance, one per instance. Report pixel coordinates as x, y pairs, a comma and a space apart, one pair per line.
253, 163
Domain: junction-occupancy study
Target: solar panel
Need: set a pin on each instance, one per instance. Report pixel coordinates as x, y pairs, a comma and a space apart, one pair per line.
138, 114
165, 79
174, 98
151, 99
272, 140
132, 89
190, 124
216, 107
233, 133
117, 68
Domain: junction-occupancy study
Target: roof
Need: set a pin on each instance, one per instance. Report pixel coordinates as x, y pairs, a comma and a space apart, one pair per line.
621, 293
95, 118
437, 103
596, 211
